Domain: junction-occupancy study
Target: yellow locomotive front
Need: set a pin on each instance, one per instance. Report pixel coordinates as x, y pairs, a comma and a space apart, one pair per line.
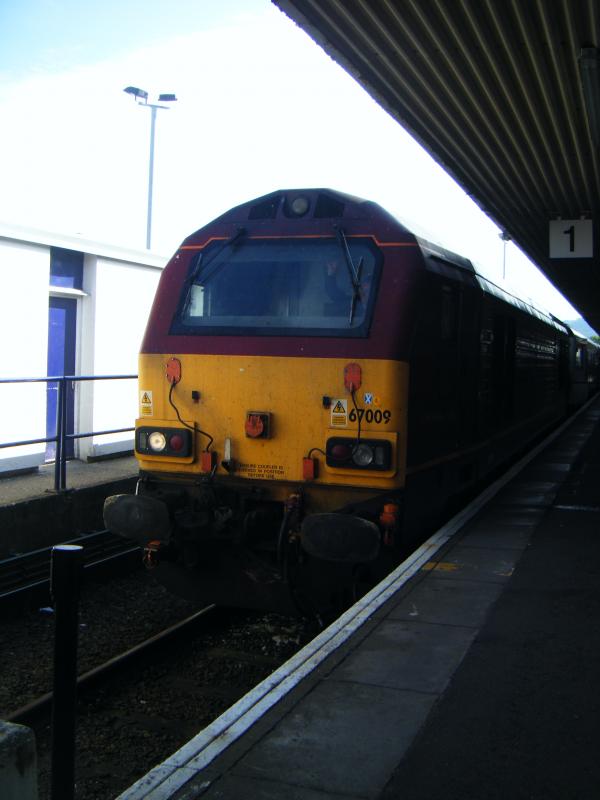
285, 420
272, 423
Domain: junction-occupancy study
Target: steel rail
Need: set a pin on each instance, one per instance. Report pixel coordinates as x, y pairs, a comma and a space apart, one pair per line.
41, 705
29, 573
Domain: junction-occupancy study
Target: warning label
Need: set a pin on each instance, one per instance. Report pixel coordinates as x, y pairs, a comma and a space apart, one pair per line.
264, 471
339, 413
145, 403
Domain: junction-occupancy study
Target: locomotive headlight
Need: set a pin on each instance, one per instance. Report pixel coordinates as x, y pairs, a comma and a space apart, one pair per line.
157, 441
343, 453
363, 455
165, 442
299, 206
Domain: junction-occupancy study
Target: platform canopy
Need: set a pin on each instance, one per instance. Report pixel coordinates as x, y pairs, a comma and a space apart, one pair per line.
505, 95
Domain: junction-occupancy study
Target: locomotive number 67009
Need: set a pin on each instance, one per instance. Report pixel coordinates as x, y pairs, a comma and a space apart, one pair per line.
370, 415
262, 482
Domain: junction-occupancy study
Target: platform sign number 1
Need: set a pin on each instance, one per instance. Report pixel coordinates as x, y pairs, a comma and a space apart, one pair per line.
571, 232
571, 238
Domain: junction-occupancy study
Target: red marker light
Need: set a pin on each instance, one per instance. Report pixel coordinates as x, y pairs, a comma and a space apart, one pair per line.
352, 377
176, 442
341, 452
173, 370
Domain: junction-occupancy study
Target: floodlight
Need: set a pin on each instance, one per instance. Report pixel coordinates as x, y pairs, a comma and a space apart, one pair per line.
141, 97
136, 92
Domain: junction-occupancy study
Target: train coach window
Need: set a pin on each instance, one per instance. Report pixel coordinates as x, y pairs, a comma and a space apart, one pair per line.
283, 287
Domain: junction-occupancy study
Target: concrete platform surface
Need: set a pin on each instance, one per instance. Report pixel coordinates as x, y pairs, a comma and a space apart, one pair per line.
469, 673
33, 515
80, 474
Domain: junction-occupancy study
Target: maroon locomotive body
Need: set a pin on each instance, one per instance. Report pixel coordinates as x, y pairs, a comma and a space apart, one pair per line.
317, 387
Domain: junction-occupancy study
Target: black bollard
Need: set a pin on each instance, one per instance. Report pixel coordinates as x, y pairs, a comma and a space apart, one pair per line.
65, 580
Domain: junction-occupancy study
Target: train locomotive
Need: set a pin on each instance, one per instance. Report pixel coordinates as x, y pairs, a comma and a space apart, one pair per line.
316, 386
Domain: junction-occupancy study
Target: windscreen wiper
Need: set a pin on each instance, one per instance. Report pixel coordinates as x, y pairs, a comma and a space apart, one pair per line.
202, 263
353, 271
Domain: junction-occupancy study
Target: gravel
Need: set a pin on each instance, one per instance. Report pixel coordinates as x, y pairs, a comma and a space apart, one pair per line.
131, 723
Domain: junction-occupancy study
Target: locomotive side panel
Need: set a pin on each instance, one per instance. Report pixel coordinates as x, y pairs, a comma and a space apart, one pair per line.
444, 370
487, 377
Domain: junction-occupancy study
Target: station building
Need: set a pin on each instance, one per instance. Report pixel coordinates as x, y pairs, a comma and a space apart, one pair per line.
69, 307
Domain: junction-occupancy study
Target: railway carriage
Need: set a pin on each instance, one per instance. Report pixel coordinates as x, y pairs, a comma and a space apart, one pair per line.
317, 385
584, 369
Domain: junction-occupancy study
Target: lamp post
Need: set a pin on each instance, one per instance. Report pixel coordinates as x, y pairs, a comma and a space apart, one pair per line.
141, 98
506, 237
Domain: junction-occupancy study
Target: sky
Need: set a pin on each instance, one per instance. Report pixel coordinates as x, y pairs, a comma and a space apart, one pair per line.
259, 107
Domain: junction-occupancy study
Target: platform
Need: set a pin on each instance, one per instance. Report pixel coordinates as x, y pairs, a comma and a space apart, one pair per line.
470, 672
80, 474
33, 515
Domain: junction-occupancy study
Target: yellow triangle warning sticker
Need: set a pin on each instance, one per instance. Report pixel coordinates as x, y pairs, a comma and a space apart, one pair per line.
338, 408
146, 399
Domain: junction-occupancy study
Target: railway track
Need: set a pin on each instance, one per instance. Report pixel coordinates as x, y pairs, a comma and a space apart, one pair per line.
25, 578
29, 713
141, 694
149, 700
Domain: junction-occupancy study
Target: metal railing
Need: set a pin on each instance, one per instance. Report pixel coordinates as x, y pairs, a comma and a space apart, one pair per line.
62, 437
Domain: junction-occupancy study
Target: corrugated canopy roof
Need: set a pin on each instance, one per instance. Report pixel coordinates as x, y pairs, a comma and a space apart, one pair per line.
493, 90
